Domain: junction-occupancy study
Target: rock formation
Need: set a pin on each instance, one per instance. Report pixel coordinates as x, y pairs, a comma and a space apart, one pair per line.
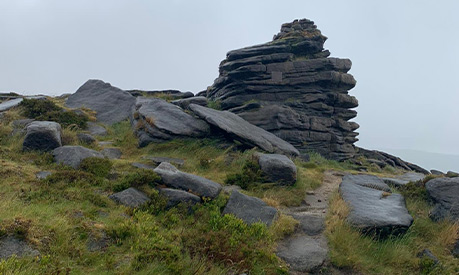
292, 88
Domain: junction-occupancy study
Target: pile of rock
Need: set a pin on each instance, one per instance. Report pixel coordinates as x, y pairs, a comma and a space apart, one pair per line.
290, 87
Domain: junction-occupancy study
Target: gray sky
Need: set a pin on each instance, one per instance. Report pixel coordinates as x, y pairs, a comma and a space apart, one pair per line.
404, 53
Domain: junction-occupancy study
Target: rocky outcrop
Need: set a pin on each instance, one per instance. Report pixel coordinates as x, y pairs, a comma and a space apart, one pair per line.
249, 209
172, 177
235, 127
277, 168
156, 120
292, 88
444, 192
184, 103
130, 197
73, 155
42, 136
111, 103
374, 211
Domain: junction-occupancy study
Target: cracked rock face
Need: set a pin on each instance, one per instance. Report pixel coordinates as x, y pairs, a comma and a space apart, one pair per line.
292, 88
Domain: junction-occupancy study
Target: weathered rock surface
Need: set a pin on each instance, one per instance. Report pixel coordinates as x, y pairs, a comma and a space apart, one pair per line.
368, 181
73, 155
156, 120
6, 105
436, 172
452, 174
175, 197
184, 103
277, 168
10, 245
374, 211
111, 104
239, 129
42, 136
96, 130
43, 174
310, 224
197, 185
444, 192
390, 160
303, 253
157, 160
290, 87
404, 179
130, 197
249, 209
86, 138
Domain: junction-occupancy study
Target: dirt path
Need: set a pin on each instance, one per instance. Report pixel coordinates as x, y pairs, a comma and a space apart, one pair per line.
306, 250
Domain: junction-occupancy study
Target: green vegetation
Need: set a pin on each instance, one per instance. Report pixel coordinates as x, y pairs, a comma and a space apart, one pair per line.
214, 104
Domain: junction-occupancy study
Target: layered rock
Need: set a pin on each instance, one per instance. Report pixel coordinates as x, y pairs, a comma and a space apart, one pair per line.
290, 87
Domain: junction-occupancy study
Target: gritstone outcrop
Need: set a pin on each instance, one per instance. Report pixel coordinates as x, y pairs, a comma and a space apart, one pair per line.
292, 88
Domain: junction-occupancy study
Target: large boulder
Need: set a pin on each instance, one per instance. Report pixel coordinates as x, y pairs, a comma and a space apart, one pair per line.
249, 209
156, 120
277, 168
130, 197
239, 129
367, 181
111, 104
444, 192
300, 93
175, 197
73, 155
6, 105
374, 211
197, 185
42, 136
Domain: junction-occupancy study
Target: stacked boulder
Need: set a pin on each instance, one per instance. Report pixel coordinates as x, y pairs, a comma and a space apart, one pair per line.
290, 87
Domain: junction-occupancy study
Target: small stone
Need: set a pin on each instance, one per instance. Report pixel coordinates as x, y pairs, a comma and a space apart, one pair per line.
42, 174
86, 138
130, 197
111, 153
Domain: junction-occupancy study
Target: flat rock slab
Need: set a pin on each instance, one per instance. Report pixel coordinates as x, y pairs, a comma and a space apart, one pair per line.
310, 224
444, 192
73, 155
142, 166
303, 253
111, 153
10, 245
42, 136
111, 104
369, 181
175, 197
184, 103
247, 133
250, 209
95, 129
374, 211
130, 197
277, 168
161, 120
404, 179
157, 160
197, 185
6, 105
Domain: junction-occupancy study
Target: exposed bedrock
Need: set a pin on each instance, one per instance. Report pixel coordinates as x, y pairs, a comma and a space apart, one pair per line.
292, 88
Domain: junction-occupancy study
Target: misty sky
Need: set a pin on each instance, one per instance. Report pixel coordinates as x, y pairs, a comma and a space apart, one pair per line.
405, 54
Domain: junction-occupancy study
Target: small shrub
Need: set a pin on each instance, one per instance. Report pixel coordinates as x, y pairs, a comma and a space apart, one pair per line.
71, 177
65, 119
34, 108
99, 167
139, 178
414, 190
214, 104
249, 175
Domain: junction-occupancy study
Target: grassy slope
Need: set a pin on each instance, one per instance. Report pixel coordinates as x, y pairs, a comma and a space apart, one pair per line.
60, 217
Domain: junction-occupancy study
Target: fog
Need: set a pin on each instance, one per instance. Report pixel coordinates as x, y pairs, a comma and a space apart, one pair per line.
404, 53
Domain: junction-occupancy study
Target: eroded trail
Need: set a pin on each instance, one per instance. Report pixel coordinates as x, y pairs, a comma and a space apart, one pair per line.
306, 250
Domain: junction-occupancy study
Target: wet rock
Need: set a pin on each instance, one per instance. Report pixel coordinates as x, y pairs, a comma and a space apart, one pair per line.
73, 155
444, 192
111, 104
175, 197
111, 153
374, 211
237, 128
197, 185
42, 136
277, 168
250, 209
130, 197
